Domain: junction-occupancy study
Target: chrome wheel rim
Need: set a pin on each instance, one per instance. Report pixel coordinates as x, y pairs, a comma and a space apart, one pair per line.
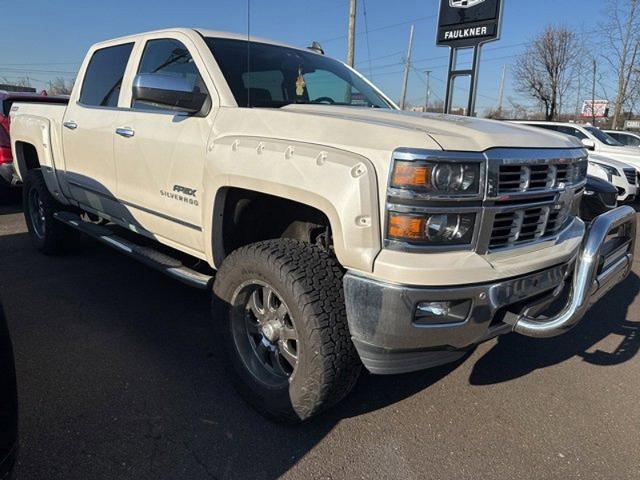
264, 333
36, 213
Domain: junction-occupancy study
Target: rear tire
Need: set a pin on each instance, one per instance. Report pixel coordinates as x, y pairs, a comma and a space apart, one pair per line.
47, 234
267, 293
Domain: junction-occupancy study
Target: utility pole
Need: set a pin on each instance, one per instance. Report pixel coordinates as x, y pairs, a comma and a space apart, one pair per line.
352, 33
501, 91
407, 67
579, 96
426, 103
593, 94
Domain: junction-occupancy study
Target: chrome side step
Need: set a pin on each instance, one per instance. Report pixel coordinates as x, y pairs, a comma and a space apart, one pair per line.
147, 255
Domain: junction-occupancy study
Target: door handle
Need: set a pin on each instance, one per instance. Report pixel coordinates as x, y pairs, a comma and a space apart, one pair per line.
71, 125
125, 132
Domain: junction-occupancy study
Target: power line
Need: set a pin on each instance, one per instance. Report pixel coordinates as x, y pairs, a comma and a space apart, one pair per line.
37, 64
23, 70
394, 54
383, 27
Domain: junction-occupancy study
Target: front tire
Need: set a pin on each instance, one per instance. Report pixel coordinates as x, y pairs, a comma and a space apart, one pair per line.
47, 234
280, 305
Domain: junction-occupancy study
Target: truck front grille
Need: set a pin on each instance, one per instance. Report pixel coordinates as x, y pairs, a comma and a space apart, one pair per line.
527, 224
630, 173
528, 178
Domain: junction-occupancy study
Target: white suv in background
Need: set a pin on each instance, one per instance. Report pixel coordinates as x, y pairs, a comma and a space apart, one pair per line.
618, 168
620, 175
595, 140
628, 139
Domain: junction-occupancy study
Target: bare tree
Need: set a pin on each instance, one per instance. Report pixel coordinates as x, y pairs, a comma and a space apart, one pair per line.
60, 86
548, 68
621, 42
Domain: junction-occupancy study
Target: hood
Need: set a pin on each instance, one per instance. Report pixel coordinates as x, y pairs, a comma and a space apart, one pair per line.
451, 132
594, 157
627, 155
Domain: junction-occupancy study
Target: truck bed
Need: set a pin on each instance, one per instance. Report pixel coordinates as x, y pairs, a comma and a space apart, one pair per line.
50, 111
8, 99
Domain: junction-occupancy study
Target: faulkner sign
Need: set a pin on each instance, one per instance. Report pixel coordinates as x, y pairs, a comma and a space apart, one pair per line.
466, 23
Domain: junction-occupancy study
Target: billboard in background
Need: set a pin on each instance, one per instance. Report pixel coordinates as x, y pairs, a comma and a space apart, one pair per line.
599, 107
466, 23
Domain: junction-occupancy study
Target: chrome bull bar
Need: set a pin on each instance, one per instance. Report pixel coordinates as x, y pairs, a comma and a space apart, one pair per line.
600, 265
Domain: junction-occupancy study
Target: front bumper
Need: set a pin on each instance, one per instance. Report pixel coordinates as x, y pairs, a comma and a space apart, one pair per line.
389, 340
626, 191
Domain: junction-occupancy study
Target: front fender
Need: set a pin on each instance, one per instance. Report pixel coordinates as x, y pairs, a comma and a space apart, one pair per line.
341, 184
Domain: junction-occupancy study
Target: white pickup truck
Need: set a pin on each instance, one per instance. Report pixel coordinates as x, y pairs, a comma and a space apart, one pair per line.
334, 230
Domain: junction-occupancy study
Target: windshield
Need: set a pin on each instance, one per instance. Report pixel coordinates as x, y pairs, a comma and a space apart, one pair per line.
281, 76
603, 137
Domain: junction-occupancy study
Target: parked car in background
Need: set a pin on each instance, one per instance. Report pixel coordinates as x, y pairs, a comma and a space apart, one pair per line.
8, 403
7, 177
599, 197
629, 139
620, 175
595, 140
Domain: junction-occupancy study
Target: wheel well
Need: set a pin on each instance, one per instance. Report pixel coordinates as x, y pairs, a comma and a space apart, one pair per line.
247, 217
27, 157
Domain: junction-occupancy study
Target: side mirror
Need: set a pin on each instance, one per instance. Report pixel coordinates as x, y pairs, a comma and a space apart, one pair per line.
589, 144
168, 91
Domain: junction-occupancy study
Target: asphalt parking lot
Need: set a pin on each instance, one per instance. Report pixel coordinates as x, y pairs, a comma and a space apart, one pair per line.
120, 377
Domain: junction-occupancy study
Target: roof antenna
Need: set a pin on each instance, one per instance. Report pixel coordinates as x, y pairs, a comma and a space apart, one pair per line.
249, 53
316, 47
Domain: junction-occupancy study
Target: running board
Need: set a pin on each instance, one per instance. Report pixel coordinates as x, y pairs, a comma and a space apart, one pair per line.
147, 255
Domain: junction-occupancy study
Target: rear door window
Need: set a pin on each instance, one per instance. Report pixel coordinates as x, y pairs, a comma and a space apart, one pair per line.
103, 78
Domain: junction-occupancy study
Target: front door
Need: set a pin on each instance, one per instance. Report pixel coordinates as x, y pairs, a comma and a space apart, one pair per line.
160, 153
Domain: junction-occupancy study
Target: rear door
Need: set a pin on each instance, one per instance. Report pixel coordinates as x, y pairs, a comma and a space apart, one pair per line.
89, 126
160, 160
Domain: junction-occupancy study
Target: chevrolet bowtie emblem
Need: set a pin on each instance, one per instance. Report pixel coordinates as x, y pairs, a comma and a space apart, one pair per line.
464, 3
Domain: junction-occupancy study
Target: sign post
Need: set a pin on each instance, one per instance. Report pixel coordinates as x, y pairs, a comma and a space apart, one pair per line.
464, 24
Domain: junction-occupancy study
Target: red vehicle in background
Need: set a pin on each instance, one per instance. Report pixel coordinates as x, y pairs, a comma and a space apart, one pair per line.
7, 179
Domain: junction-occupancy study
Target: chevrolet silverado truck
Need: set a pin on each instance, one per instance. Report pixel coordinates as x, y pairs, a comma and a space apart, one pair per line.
334, 230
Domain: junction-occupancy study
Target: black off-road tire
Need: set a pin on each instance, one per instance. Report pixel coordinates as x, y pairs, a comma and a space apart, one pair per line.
309, 280
52, 237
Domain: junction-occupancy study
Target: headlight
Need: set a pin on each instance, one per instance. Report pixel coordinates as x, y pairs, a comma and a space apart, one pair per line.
431, 229
438, 178
609, 170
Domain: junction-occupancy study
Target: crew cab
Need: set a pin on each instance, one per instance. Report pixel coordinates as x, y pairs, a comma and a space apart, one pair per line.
334, 230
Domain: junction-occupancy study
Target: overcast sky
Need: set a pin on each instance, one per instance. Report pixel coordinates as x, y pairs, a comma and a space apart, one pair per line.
46, 38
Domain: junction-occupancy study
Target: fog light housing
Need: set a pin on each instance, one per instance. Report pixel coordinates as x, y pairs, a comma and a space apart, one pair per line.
442, 312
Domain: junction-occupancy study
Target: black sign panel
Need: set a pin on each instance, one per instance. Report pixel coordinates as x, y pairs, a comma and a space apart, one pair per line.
465, 23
